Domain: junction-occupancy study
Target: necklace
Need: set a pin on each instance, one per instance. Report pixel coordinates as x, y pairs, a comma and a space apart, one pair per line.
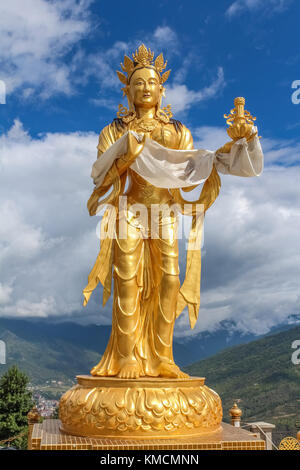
146, 125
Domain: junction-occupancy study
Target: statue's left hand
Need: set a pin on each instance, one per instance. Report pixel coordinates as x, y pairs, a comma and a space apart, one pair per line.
226, 148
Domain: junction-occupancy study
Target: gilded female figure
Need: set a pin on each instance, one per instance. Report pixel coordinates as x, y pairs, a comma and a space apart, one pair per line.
147, 295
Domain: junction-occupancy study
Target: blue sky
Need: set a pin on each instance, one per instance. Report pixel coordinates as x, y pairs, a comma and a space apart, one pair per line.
58, 61
256, 46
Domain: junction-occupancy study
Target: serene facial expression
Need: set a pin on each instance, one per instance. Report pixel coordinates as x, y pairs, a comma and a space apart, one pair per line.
144, 88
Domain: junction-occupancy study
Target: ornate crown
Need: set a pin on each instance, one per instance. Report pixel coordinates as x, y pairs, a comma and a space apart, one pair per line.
143, 57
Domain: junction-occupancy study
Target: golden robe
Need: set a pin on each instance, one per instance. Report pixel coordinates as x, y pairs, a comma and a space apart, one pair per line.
147, 293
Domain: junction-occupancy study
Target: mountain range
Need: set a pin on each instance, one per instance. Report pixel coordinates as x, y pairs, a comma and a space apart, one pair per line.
60, 351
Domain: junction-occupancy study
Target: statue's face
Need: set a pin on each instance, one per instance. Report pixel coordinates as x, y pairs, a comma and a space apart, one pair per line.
144, 88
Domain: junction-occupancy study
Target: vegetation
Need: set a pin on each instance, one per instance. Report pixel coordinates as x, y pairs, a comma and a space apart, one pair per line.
15, 403
46, 358
262, 376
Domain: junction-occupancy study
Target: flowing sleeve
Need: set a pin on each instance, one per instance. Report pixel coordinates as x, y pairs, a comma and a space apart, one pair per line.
102, 269
244, 159
109, 136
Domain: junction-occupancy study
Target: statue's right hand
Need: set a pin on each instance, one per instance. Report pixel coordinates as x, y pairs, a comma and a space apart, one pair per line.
134, 147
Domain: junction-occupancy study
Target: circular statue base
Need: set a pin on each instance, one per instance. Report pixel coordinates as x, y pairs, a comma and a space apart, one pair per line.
139, 408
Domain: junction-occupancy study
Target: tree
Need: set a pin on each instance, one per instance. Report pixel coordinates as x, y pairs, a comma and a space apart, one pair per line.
15, 402
55, 414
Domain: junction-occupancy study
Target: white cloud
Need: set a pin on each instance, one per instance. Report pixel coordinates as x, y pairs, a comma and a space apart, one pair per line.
181, 98
24, 308
204, 136
34, 41
48, 241
5, 292
164, 35
273, 6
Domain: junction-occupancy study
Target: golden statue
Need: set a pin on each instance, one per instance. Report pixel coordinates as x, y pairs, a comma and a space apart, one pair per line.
147, 295
146, 273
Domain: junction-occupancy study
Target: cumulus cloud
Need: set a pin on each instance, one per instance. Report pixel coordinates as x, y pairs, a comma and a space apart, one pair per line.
181, 98
164, 35
35, 39
5, 292
48, 241
273, 6
41, 52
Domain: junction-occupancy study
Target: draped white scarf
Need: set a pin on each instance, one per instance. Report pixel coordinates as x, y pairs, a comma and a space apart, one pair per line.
169, 168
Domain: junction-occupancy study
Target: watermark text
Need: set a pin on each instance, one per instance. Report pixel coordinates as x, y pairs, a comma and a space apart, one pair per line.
296, 94
2, 352
2, 92
296, 354
156, 221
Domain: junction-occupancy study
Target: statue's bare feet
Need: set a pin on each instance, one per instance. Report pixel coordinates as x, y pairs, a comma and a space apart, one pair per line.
97, 372
171, 370
130, 370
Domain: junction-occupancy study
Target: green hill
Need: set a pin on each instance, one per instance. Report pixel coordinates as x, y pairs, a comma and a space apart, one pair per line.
261, 375
54, 359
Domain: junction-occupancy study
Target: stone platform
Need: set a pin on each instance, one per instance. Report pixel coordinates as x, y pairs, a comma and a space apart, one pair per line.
47, 436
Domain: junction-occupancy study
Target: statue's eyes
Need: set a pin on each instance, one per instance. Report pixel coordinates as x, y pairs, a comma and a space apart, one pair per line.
141, 83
